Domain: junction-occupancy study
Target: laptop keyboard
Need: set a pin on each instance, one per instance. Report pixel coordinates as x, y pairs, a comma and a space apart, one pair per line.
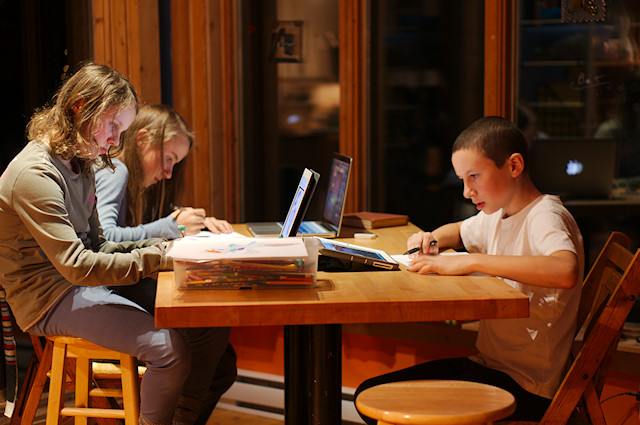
311, 227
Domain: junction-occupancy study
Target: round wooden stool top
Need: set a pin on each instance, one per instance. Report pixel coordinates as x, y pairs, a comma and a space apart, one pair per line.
436, 402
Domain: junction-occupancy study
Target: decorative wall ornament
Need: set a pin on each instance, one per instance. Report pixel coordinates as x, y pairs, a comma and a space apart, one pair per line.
584, 11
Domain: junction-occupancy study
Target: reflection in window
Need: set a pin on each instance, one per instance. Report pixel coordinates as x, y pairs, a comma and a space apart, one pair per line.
427, 59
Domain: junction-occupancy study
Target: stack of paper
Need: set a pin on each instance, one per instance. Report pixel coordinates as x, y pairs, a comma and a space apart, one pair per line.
242, 262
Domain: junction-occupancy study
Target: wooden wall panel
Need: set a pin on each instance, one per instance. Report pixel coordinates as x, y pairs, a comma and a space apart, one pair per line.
204, 91
353, 80
188, 35
499, 79
128, 41
126, 36
224, 95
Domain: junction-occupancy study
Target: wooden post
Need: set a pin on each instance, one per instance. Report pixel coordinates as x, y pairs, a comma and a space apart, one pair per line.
499, 72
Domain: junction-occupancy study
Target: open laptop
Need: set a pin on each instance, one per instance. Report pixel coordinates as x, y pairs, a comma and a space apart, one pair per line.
576, 168
329, 226
297, 210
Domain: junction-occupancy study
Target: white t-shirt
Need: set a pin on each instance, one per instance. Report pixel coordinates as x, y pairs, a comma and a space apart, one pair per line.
533, 350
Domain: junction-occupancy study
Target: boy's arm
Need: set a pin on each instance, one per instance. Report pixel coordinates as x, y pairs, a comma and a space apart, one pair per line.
447, 236
558, 270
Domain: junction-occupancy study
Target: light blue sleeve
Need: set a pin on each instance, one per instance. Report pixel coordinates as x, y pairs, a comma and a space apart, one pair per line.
112, 209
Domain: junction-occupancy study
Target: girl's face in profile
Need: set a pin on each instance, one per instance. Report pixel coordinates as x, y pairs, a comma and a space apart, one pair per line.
110, 125
157, 162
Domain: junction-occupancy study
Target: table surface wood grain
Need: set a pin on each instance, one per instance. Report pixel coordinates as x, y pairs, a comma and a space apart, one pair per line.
351, 297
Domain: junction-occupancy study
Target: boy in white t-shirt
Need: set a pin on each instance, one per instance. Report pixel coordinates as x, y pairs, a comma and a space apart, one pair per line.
530, 241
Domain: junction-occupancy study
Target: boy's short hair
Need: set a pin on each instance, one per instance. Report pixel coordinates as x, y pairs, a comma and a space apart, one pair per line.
495, 137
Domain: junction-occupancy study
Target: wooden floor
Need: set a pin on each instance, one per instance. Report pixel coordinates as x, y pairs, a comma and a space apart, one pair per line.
219, 417
228, 417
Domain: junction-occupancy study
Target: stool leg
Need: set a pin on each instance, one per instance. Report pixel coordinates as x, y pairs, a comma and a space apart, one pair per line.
33, 386
83, 382
56, 385
130, 390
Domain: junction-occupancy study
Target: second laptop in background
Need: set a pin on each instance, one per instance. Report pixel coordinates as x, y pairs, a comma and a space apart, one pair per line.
329, 226
574, 168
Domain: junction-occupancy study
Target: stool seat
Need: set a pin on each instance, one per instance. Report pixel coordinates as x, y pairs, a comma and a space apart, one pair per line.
441, 402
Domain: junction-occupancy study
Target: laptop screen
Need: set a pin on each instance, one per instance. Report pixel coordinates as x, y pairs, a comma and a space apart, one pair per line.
574, 167
300, 202
337, 190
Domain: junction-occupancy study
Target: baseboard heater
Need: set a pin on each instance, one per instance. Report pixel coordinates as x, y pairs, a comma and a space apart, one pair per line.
262, 394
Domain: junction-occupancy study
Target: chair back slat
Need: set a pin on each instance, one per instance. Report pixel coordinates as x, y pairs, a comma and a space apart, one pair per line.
613, 255
596, 354
620, 255
610, 279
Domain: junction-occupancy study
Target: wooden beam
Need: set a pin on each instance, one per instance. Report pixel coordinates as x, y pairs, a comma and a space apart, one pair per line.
353, 80
182, 93
499, 75
226, 196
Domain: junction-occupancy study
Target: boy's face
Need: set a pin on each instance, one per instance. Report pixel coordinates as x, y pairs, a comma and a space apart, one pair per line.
486, 185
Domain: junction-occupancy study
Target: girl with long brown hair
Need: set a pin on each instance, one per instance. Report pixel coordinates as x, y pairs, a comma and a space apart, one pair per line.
138, 199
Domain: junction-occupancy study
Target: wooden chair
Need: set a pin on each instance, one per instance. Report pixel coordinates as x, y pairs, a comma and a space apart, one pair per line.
83, 352
435, 402
608, 294
610, 290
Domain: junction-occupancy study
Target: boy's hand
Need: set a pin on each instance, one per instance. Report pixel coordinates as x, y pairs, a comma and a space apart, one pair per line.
217, 226
425, 241
451, 265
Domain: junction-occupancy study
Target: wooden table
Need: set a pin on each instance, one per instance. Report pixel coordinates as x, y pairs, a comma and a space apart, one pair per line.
312, 316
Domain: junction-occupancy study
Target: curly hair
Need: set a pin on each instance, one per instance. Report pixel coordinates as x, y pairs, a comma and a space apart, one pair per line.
97, 89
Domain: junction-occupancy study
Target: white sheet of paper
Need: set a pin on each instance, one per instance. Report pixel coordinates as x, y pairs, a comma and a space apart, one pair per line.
404, 259
214, 248
207, 234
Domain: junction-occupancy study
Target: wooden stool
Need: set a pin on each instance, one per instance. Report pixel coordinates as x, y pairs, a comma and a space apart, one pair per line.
83, 352
435, 402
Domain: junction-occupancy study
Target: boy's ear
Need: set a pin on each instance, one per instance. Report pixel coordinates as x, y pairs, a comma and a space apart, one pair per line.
141, 137
516, 164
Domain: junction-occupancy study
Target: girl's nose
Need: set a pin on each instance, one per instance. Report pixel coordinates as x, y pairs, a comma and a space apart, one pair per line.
115, 138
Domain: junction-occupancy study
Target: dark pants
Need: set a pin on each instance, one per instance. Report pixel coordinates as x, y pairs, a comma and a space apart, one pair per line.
144, 294
225, 376
530, 407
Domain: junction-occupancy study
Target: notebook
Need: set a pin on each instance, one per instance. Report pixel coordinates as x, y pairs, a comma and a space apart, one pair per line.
575, 168
329, 226
299, 205
358, 254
